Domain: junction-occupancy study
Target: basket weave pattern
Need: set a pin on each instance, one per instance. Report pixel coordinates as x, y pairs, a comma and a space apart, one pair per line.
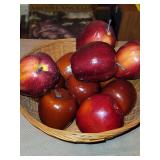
29, 106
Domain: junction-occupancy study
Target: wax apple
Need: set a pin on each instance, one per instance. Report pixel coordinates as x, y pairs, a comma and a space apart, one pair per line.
81, 90
99, 113
64, 65
128, 61
123, 92
94, 62
57, 108
38, 73
96, 31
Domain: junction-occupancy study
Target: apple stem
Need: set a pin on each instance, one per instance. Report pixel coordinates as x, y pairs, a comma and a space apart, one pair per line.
109, 24
58, 95
39, 69
120, 66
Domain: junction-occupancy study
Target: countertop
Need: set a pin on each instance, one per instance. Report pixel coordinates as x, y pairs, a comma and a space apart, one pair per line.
34, 142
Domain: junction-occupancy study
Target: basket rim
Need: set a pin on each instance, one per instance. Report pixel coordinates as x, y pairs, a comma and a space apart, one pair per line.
66, 40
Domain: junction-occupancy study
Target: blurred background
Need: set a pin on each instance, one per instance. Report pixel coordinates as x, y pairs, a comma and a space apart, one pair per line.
55, 21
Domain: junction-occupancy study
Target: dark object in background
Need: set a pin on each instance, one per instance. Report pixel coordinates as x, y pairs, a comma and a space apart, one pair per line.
23, 27
65, 23
106, 12
58, 24
48, 30
125, 18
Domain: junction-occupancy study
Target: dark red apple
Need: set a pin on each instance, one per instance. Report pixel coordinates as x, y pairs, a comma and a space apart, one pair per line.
99, 113
96, 31
64, 65
38, 73
57, 108
81, 90
128, 61
94, 62
123, 92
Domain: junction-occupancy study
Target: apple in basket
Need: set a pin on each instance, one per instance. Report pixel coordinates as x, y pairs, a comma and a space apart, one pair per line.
94, 62
99, 113
64, 65
96, 31
38, 73
57, 108
123, 92
128, 61
80, 89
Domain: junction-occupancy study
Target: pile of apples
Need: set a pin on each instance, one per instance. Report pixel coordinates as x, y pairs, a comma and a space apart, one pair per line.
71, 87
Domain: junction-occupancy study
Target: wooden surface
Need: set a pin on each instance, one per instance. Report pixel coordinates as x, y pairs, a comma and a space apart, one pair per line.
130, 23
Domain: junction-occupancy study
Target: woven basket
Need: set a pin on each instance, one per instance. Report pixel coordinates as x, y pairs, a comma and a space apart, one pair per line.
29, 107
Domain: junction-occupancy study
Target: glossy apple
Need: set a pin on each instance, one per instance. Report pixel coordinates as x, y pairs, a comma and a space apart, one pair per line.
96, 31
128, 61
81, 90
123, 92
94, 62
38, 73
64, 65
99, 113
57, 108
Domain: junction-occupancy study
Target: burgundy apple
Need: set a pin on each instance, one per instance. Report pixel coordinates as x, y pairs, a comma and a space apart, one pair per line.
128, 61
57, 108
96, 31
81, 90
123, 92
64, 65
38, 73
99, 113
94, 62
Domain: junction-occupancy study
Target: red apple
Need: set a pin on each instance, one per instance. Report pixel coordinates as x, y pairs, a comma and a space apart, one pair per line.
123, 92
94, 62
128, 61
99, 113
64, 65
38, 73
96, 31
57, 108
81, 90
